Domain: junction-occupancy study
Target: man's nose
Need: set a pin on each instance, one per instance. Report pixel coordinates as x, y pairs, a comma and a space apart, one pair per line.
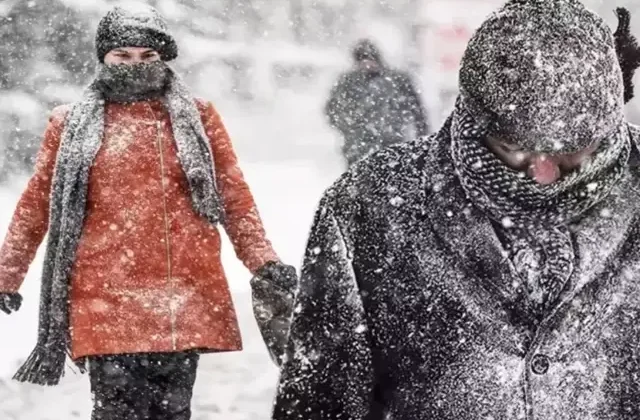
544, 169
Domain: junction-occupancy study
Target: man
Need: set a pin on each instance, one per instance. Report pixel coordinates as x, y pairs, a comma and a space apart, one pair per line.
131, 183
490, 272
374, 106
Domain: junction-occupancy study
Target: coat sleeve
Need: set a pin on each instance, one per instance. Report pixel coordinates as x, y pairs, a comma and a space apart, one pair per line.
416, 107
243, 222
335, 109
30, 220
327, 373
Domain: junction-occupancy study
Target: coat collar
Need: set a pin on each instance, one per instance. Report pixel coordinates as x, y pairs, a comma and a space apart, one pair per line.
481, 276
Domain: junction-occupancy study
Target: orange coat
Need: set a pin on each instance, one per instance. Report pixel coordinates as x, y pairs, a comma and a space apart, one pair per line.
147, 275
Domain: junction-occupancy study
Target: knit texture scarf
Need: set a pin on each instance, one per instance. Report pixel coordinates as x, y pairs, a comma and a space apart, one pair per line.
80, 142
534, 218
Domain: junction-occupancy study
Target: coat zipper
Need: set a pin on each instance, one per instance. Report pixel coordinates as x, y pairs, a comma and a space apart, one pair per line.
167, 237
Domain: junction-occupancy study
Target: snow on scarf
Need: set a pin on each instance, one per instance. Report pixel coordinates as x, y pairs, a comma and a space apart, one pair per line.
80, 142
534, 216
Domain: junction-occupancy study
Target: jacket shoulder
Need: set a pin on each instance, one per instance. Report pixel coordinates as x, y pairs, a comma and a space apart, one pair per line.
400, 178
404, 79
346, 79
397, 174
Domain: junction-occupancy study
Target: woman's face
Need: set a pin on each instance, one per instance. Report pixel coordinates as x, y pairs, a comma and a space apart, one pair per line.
131, 55
544, 168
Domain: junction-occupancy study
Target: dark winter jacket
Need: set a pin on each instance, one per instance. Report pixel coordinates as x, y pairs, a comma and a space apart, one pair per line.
406, 309
374, 110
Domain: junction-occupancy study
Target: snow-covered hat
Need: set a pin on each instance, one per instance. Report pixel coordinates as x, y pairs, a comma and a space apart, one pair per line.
365, 49
135, 25
544, 74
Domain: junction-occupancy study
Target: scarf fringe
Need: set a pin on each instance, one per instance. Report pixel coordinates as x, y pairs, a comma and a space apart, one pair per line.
43, 367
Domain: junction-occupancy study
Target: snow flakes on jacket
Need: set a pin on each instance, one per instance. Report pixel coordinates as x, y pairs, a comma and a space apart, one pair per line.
407, 310
147, 274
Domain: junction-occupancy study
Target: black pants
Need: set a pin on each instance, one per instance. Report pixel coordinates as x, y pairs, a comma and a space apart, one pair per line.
143, 386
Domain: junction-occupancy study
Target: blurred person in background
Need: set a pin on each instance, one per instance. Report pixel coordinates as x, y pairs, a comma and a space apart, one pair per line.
492, 271
374, 106
47, 57
131, 184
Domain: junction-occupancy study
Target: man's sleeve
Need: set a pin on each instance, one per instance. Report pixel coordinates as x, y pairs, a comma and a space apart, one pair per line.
335, 107
416, 106
328, 371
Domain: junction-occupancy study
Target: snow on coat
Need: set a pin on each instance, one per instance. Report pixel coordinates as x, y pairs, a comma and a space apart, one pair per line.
406, 308
147, 275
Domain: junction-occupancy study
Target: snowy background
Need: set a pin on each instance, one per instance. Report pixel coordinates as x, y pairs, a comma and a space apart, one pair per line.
268, 66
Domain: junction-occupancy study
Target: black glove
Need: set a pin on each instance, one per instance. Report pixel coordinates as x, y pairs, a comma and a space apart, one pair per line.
10, 302
272, 292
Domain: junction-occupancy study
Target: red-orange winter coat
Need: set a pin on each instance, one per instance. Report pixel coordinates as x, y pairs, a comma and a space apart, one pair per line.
147, 275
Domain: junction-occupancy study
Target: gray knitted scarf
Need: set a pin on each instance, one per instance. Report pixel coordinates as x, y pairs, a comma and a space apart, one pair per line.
80, 142
534, 218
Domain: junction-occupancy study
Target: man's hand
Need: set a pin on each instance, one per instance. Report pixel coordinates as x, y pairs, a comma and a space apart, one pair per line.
10, 302
273, 295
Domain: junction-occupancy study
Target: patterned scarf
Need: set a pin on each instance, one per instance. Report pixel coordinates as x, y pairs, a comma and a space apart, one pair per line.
535, 217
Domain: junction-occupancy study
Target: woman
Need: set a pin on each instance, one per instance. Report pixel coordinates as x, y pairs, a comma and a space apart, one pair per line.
131, 183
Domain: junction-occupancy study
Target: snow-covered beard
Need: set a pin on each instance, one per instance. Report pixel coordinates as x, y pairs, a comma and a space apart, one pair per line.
132, 82
534, 218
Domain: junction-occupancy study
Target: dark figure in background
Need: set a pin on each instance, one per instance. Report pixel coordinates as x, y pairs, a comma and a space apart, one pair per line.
46, 53
374, 106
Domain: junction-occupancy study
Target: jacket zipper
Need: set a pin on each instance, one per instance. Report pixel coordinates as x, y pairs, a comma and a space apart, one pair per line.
167, 237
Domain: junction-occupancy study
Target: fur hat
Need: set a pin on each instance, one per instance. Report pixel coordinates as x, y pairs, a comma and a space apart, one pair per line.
545, 75
135, 25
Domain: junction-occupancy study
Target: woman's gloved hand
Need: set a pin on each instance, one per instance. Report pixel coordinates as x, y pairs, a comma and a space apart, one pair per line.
272, 292
10, 302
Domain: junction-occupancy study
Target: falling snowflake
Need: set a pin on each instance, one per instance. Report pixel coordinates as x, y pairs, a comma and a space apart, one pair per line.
507, 222
360, 329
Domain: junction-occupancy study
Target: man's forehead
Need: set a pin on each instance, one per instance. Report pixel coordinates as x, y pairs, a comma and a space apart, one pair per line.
134, 49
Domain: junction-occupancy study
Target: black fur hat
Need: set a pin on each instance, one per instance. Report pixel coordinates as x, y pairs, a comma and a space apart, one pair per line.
546, 75
135, 25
